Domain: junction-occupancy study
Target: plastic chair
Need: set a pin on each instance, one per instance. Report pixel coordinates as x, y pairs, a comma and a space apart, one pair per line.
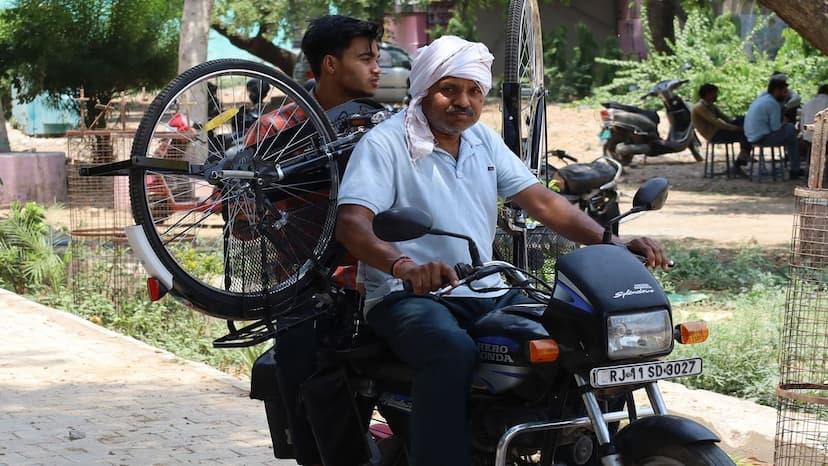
710, 158
777, 155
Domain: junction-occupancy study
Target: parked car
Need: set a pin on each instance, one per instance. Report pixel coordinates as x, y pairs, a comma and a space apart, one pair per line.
395, 66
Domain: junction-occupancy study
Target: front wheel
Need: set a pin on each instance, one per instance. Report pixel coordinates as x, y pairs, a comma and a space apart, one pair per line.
694, 454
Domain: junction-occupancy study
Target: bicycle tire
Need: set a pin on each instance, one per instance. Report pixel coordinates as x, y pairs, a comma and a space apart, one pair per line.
523, 67
233, 253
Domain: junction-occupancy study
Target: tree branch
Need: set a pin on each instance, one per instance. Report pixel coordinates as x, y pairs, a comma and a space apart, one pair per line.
807, 17
260, 47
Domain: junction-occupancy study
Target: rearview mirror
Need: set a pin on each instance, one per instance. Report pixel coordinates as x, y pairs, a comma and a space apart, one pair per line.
651, 195
401, 224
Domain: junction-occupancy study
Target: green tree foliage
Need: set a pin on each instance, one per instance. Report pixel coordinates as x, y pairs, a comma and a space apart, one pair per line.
254, 25
571, 70
709, 49
105, 46
27, 259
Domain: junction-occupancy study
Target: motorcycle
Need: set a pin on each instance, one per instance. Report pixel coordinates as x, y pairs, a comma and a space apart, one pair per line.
630, 130
590, 186
553, 376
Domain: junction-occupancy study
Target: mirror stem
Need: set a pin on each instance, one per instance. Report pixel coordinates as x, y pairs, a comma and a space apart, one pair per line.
473, 252
607, 239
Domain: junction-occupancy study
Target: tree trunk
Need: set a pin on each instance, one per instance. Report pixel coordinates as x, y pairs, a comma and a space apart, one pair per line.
192, 45
195, 31
807, 17
660, 15
260, 47
4, 137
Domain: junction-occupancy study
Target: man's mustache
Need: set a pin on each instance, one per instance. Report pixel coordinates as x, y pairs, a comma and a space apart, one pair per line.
455, 109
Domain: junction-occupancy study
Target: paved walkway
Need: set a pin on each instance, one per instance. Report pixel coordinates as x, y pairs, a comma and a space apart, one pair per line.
72, 392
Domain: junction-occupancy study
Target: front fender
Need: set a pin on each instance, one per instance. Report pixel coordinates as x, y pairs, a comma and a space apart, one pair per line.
661, 430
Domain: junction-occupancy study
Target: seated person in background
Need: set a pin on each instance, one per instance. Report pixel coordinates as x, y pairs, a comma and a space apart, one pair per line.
715, 126
764, 125
809, 111
791, 102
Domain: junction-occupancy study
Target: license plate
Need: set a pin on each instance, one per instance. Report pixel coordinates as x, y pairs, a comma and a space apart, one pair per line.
604, 135
646, 372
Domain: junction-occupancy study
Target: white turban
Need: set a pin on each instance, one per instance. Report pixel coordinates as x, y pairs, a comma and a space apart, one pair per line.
446, 56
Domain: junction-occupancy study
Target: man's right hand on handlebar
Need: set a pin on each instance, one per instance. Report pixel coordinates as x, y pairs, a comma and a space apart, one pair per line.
427, 277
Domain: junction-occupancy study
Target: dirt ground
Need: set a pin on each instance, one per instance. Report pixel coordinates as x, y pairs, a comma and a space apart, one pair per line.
722, 211
719, 210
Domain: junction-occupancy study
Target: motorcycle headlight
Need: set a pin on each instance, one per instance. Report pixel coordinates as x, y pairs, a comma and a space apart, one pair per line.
639, 335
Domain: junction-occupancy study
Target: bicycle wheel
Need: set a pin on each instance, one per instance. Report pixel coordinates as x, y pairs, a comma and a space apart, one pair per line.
238, 246
524, 95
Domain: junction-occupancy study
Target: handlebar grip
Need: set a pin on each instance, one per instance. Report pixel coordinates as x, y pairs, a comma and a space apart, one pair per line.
407, 287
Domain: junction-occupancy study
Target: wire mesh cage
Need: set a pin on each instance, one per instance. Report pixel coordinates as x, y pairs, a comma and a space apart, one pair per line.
99, 210
542, 247
802, 416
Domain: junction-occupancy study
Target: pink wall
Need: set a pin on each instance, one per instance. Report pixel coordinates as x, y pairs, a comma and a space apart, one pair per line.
33, 176
407, 31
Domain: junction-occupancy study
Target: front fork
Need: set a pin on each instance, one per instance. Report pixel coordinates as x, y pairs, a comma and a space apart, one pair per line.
595, 419
606, 449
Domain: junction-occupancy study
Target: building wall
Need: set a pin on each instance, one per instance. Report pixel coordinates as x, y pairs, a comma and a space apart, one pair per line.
598, 15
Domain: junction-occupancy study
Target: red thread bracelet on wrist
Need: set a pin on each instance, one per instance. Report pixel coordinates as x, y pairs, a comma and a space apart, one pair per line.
399, 260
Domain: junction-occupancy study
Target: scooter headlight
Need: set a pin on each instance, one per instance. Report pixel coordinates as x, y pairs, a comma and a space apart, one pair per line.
639, 335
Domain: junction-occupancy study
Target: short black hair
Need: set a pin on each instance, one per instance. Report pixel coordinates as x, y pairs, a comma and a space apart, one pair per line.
775, 84
707, 88
332, 34
823, 89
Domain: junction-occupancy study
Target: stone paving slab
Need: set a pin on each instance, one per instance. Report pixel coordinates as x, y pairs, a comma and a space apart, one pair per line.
72, 392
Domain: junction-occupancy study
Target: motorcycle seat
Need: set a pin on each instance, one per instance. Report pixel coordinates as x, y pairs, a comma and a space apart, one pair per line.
652, 115
584, 177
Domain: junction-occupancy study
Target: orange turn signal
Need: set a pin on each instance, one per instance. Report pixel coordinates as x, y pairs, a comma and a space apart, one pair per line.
689, 333
155, 289
543, 350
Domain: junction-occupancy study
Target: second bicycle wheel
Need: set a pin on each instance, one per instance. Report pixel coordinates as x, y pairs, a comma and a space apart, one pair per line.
524, 105
239, 245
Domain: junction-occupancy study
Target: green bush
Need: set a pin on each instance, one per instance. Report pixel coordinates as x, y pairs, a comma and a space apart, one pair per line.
715, 53
27, 259
570, 69
727, 270
741, 356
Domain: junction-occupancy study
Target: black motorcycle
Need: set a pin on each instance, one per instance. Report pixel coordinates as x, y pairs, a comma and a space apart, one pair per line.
553, 377
630, 130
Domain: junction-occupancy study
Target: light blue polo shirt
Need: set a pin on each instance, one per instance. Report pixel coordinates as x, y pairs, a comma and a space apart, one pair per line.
763, 117
460, 195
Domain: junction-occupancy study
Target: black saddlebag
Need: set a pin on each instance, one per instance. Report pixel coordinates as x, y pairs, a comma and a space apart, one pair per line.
276, 381
334, 418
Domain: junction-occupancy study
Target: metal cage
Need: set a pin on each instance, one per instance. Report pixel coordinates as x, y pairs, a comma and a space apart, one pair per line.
802, 415
99, 210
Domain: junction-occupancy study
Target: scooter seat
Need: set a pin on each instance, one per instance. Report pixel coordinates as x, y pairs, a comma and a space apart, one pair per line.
650, 114
584, 177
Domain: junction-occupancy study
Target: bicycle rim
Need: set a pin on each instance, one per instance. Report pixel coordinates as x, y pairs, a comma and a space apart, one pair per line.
524, 69
237, 249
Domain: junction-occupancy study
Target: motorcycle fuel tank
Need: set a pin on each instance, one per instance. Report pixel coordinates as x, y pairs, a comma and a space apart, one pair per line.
501, 338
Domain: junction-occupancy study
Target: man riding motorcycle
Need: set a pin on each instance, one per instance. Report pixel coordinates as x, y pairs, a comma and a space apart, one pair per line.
435, 155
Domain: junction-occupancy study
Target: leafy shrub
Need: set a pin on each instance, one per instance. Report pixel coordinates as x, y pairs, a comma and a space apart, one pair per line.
27, 259
715, 53
571, 70
714, 269
742, 353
